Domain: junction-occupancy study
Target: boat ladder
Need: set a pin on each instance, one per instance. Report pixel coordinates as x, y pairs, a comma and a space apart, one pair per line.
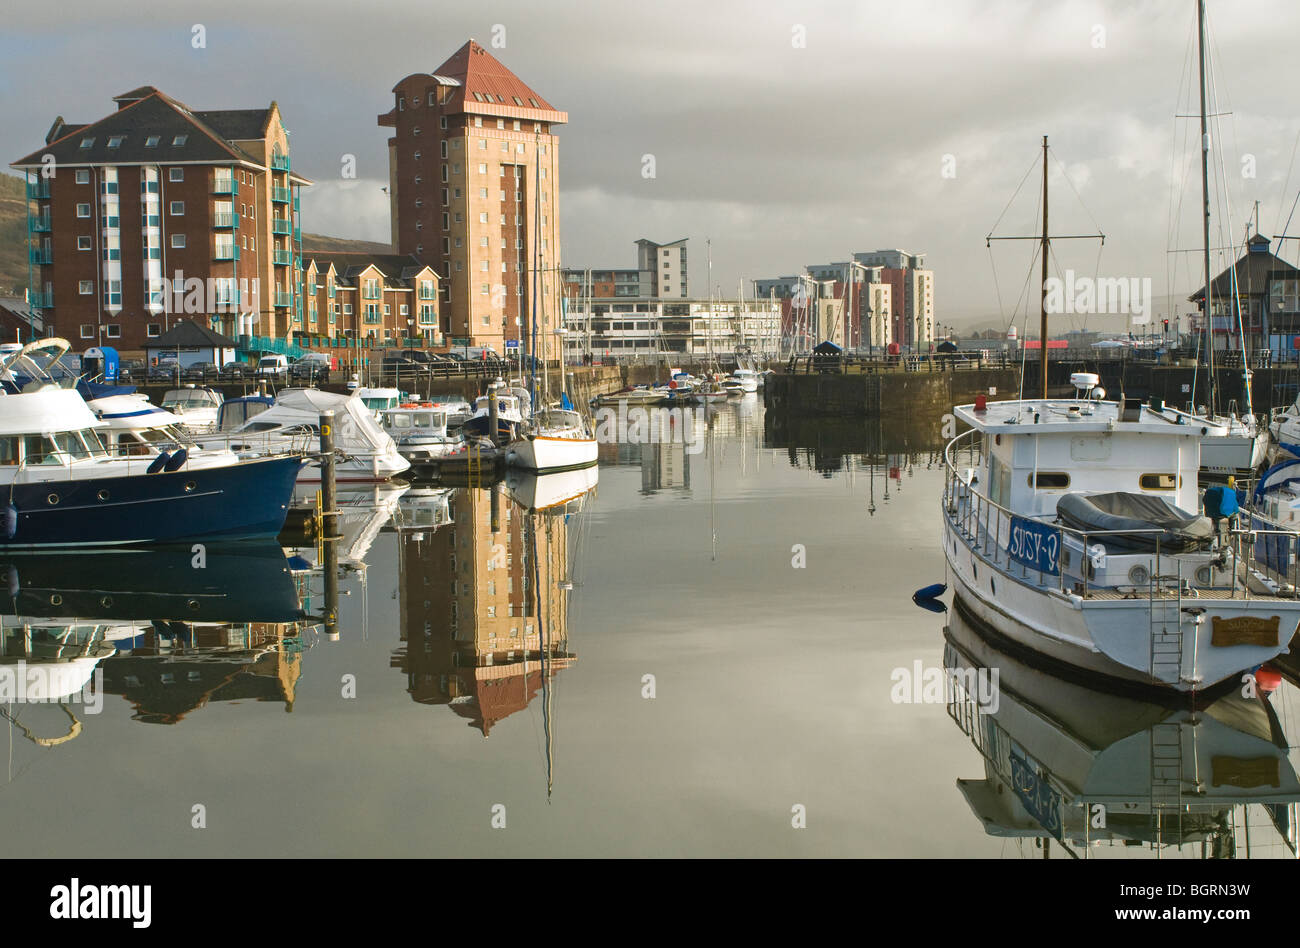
1166, 774
1166, 629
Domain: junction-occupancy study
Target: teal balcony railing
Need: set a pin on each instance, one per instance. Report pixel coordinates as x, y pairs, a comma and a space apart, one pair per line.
226, 253
227, 297
269, 344
40, 225
225, 186
295, 203
281, 195
42, 300
283, 299
279, 162
225, 219
282, 257
38, 190
40, 257
281, 225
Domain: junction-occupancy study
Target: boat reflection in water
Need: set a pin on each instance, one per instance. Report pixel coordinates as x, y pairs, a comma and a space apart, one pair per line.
1105, 774
485, 596
169, 629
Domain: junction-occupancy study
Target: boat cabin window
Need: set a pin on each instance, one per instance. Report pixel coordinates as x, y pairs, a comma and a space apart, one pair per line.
999, 482
234, 414
8, 450
1050, 480
380, 403
38, 449
1159, 481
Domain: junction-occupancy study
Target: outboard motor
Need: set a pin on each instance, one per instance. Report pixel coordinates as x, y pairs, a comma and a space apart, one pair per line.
1221, 508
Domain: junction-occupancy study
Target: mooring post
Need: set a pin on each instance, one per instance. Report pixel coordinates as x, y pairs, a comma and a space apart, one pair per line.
492, 412
328, 524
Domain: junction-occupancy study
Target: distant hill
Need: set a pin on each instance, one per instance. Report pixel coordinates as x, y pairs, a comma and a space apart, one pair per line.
13, 235
322, 244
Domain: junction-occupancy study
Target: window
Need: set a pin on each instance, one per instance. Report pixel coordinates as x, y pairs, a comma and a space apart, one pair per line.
113, 331
177, 208
1158, 482
87, 331
175, 174
482, 168
152, 330
179, 140
478, 121
83, 243
115, 141
1050, 480
444, 150
485, 291
482, 218
86, 287
151, 141
178, 241
442, 120
87, 142
83, 210
83, 177
482, 192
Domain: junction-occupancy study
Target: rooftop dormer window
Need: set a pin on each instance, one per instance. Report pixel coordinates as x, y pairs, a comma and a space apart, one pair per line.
179, 140
152, 141
115, 141
87, 142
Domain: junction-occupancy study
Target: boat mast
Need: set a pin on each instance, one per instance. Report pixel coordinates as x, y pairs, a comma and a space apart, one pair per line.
1205, 199
1042, 322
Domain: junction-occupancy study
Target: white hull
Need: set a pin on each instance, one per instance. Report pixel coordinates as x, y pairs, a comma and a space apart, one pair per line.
1233, 453
537, 492
542, 453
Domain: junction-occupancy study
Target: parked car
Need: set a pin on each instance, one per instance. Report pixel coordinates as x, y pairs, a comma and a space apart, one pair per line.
310, 370
272, 367
235, 371
199, 372
167, 370
132, 370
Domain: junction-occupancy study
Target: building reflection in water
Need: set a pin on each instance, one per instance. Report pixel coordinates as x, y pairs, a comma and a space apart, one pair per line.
484, 596
1086, 773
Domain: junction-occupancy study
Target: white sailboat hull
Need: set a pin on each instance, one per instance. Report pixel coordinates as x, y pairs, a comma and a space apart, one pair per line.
542, 453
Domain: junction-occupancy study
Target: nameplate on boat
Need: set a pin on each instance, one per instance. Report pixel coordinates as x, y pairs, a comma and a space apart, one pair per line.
1244, 771
1244, 630
1036, 545
1036, 795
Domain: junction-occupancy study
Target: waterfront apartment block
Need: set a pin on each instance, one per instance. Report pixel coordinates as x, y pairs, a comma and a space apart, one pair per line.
688, 330
382, 300
158, 212
474, 192
906, 319
667, 266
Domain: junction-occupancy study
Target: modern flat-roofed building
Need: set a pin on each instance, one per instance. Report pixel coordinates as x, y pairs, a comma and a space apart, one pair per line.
687, 330
667, 266
158, 211
474, 193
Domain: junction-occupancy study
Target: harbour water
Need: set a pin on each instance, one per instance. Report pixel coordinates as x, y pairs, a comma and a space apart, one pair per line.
726, 661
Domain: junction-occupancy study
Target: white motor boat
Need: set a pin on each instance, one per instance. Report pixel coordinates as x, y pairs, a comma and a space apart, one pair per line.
541, 492
513, 409
366, 451
748, 379
1229, 445
555, 439
378, 400
458, 409
420, 431
197, 408
1073, 528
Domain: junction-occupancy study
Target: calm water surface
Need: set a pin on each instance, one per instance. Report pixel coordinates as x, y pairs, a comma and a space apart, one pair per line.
763, 577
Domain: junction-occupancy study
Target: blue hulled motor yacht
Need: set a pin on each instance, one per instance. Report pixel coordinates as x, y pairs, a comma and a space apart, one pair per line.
63, 487
1074, 529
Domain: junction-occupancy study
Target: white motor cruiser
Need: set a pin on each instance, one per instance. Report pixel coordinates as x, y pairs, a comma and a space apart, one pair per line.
1073, 528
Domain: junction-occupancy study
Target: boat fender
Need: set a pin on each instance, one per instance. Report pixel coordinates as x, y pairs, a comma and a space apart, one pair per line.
11, 580
176, 461
158, 463
11, 522
933, 591
1267, 679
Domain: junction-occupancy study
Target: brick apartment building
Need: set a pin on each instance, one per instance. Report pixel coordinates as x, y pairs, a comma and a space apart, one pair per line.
381, 299
159, 212
474, 192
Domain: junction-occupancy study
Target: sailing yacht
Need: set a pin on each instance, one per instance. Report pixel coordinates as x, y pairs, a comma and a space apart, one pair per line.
556, 439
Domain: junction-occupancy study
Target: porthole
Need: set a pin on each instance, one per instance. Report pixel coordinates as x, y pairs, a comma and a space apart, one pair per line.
52, 499
190, 485
974, 570
56, 599
102, 495
106, 601
993, 587
192, 605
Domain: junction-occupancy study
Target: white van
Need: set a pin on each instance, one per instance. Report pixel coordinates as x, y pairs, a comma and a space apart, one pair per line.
272, 367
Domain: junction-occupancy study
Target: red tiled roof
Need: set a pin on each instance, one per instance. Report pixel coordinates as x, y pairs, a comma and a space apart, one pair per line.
479, 71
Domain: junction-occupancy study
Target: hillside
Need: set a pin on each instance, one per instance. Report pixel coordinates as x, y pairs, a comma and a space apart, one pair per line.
322, 244
13, 236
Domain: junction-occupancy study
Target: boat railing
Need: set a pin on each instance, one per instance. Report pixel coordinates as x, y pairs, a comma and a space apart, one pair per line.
1272, 555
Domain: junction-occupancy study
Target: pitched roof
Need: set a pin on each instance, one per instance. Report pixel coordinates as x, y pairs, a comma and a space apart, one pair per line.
1254, 271
398, 269
143, 113
488, 88
189, 333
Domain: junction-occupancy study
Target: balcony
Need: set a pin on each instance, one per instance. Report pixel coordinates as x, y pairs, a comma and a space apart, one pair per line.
283, 299
282, 258
281, 195
225, 219
42, 300
225, 186
226, 253
40, 257
40, 225
227, 297
279, 162
282, 225
38, 190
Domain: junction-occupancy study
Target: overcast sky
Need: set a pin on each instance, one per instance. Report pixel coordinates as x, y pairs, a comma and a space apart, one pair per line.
783, 153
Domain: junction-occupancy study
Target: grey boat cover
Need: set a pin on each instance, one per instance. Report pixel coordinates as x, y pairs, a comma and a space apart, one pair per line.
1179, 531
